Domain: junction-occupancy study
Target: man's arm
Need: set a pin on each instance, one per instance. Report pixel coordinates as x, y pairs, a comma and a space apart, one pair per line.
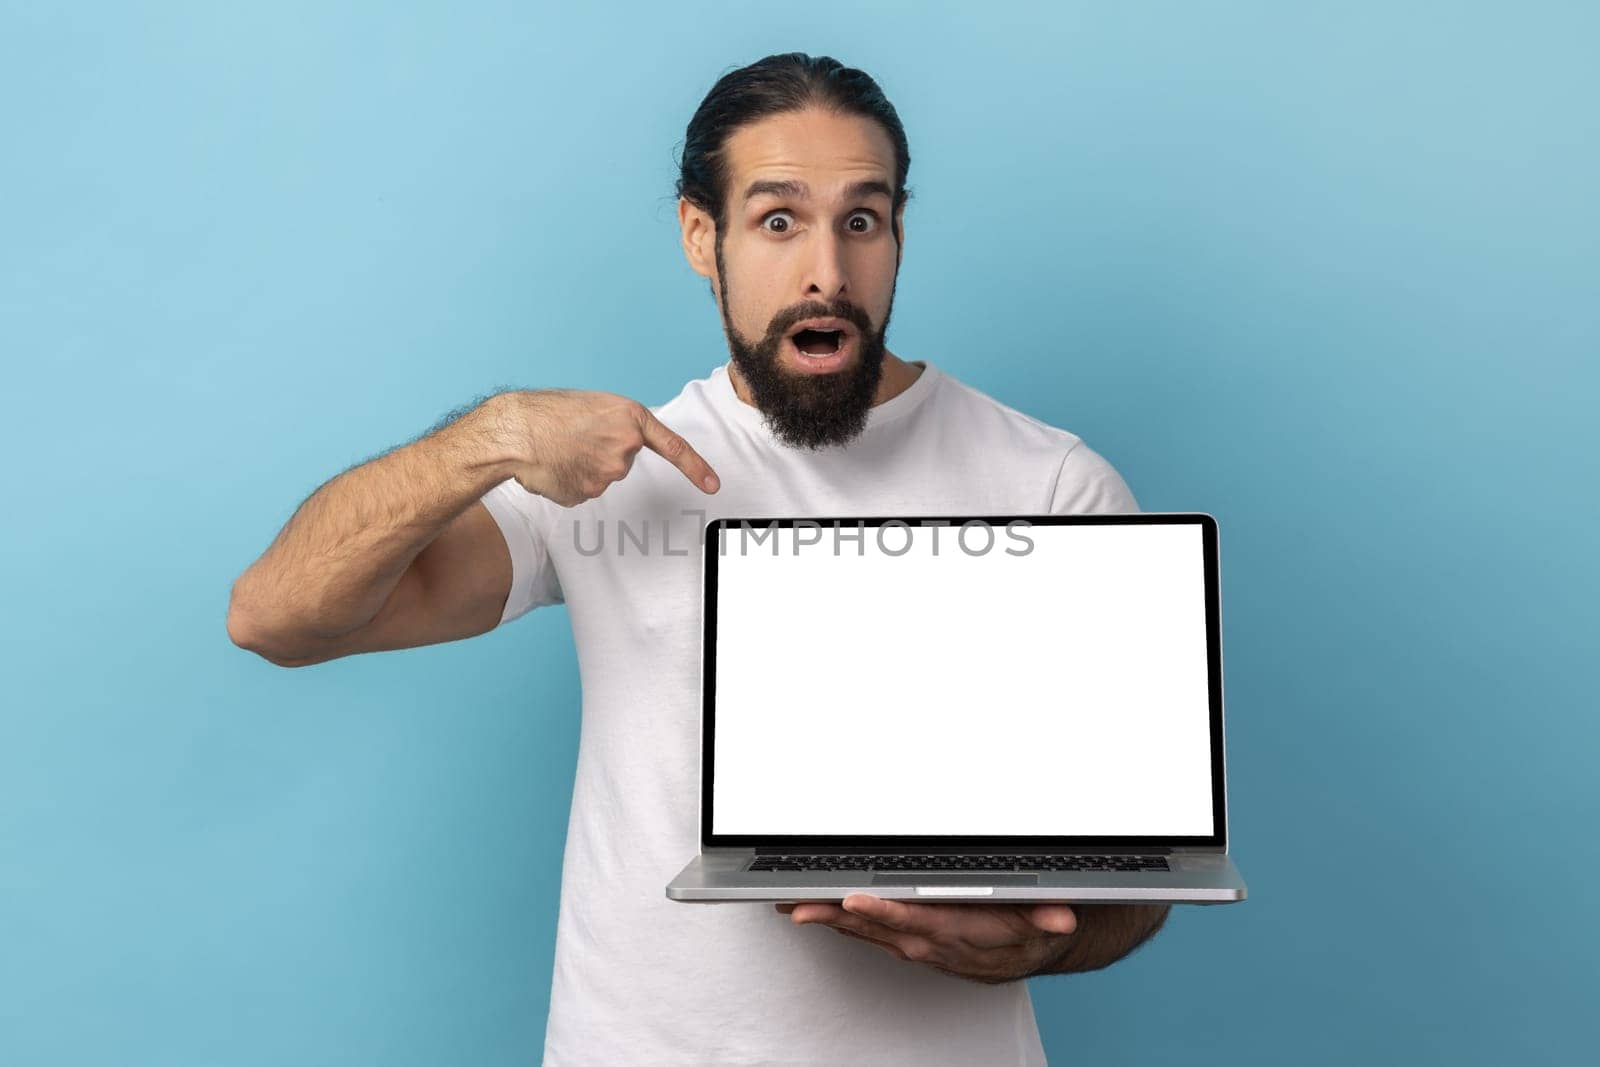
1106, 933
394, 554
342, 568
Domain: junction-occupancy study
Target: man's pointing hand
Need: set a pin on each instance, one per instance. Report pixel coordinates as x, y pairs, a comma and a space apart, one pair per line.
575, 442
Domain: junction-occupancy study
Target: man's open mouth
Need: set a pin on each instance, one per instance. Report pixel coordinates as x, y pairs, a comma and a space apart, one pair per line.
818, 342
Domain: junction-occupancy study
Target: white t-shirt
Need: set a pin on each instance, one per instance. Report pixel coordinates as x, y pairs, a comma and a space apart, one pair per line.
640, 979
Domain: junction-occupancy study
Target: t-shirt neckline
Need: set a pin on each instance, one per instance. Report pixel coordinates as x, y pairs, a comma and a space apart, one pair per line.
895, 407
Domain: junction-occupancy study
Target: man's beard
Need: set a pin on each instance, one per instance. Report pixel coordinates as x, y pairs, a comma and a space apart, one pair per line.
803, 410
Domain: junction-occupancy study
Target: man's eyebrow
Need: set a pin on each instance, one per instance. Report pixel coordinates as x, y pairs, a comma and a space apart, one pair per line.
798, 190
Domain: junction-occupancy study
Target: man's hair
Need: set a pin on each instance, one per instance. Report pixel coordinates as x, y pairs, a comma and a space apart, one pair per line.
778, 84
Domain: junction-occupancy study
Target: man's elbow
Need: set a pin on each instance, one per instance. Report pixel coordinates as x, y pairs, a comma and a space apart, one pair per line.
1115, 932
1157, 918
245, 631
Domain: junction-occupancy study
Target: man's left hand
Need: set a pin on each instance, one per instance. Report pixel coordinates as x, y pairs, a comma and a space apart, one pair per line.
983, 942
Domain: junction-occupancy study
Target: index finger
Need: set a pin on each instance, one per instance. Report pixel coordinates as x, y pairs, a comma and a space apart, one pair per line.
677, 451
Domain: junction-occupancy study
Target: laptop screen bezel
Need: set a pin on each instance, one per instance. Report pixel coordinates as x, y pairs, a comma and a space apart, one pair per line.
898, 842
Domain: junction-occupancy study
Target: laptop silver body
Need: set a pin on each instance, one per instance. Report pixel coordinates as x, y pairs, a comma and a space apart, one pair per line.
962, 708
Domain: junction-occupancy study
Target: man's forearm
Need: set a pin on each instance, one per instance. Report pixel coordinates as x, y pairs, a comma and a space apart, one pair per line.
1105, 934
337, 560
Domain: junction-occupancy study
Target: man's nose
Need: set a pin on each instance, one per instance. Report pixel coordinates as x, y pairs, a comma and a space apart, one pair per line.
825, 267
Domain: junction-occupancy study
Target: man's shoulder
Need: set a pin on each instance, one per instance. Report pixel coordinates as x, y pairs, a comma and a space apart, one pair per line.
1082, 480
981, 414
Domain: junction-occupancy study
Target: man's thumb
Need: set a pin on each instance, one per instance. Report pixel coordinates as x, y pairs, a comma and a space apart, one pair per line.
1054, 918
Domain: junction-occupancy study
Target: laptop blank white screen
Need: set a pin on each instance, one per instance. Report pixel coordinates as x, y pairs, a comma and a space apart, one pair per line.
915, 682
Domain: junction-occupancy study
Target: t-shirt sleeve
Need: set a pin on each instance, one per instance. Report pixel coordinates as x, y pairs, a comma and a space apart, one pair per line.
1088, 485
523, 520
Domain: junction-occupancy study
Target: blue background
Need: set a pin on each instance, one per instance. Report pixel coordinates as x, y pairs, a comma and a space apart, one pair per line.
1330, 274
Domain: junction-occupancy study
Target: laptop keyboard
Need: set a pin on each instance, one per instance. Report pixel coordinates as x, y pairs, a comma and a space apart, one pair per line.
777, 862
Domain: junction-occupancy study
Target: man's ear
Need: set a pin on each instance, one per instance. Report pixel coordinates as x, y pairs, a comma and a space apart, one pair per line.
699, 233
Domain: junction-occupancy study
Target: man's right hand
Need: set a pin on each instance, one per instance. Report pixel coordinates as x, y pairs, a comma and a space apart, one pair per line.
578, 441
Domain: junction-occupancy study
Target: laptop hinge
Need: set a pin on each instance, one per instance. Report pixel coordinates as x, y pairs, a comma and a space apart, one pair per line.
841, 850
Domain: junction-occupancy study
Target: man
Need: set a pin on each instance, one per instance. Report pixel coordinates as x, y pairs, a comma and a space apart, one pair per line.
792, 200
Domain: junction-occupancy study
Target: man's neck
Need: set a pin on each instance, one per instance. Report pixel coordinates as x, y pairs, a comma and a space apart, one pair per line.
897, 378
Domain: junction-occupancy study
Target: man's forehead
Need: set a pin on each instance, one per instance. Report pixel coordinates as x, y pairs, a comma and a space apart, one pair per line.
798, 189
810, 154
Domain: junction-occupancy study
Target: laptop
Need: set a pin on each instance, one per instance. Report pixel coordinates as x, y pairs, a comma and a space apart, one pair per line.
962, 708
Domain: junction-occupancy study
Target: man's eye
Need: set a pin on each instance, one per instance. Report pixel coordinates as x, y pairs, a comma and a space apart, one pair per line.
871, 216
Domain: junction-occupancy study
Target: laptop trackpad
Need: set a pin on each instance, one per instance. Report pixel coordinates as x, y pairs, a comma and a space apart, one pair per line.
955, 879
